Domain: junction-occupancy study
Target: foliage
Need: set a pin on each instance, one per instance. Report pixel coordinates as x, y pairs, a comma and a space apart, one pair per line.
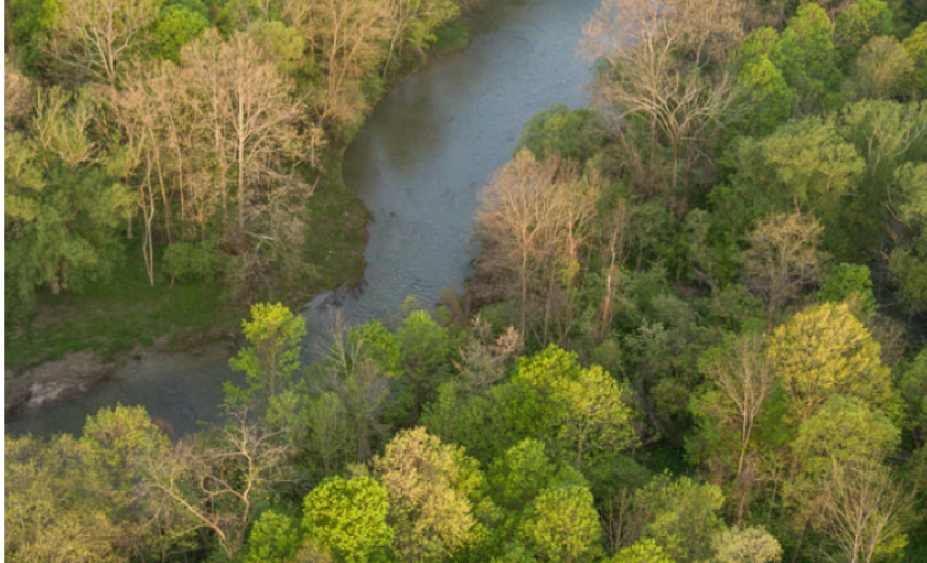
824, 350
348, 517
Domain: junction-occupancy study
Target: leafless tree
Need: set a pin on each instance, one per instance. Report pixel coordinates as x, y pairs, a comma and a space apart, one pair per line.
784, 257
217, 484
534, 218
746, 377
863, 509
95, 35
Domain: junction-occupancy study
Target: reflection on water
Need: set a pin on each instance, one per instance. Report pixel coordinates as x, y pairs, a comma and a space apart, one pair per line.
418, 164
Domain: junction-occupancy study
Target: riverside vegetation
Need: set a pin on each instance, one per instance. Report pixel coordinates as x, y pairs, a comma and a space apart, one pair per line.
694, 334
160, 155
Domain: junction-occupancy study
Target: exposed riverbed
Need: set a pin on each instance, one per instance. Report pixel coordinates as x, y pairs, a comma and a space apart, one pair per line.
418, 164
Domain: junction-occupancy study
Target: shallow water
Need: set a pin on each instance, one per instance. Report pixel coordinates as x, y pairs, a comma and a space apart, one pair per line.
418, 164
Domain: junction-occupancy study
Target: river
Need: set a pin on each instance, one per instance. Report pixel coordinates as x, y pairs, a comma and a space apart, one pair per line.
418, 163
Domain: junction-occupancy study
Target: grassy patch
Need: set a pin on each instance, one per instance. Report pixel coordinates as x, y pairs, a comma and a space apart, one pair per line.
128, 313
451, 37
117, 317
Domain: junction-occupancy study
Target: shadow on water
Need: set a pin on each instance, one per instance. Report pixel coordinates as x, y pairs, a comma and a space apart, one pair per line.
418, 164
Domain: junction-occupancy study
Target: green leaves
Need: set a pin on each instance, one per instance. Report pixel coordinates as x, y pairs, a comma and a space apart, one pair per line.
275, 335
825, 350
563, 526
348, 518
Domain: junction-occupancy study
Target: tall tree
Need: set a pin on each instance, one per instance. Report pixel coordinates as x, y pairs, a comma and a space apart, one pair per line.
783, 258
94, 36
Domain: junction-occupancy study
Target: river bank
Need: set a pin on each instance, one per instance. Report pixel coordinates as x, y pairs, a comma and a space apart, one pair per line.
416, 167
74, 342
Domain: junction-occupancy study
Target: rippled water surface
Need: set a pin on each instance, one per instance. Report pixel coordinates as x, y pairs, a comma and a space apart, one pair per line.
418, 164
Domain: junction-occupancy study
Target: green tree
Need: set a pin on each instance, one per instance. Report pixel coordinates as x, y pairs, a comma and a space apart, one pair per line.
913, 388
769, 96
430, 485
808, 58
804, 162
559, 130
849, 281
274, 538
680, 515
275, 337
61, 208
563, 526
883, 68
824, 350
858, 23
644, 551
348, 518
176, 26
51, 511
582, 409
517, 478
916, 46
747, 545
425, 352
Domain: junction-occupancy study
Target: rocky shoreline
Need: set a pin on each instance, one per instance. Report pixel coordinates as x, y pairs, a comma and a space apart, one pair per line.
54, 381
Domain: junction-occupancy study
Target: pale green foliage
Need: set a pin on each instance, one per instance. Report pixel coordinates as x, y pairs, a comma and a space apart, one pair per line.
51, 511
643, 551
274, 335
803, 161
348, 518
748, 545
844, 430
825, 350
916, 46
583, 408
563, 526
274, 538
282, 44
429, 485
883, 68
680, 515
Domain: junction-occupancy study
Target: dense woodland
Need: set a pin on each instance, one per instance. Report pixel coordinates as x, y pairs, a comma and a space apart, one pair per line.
694, 333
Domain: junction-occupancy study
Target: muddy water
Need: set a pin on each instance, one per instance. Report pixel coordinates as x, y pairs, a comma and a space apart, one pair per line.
418, 164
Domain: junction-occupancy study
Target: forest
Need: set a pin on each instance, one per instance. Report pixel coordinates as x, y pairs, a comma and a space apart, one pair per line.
694, 333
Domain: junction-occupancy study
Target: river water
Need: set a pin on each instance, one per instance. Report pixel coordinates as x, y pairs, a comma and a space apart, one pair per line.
418, 164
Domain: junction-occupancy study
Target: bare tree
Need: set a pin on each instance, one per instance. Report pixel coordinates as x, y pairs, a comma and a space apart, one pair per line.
659, 86
784, 258
617, 228
17, 94
534, 218
863, 509
217, 484
346, 37
95, 35
746, 377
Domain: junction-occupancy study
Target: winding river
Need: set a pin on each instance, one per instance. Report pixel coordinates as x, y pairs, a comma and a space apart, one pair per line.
418, 164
